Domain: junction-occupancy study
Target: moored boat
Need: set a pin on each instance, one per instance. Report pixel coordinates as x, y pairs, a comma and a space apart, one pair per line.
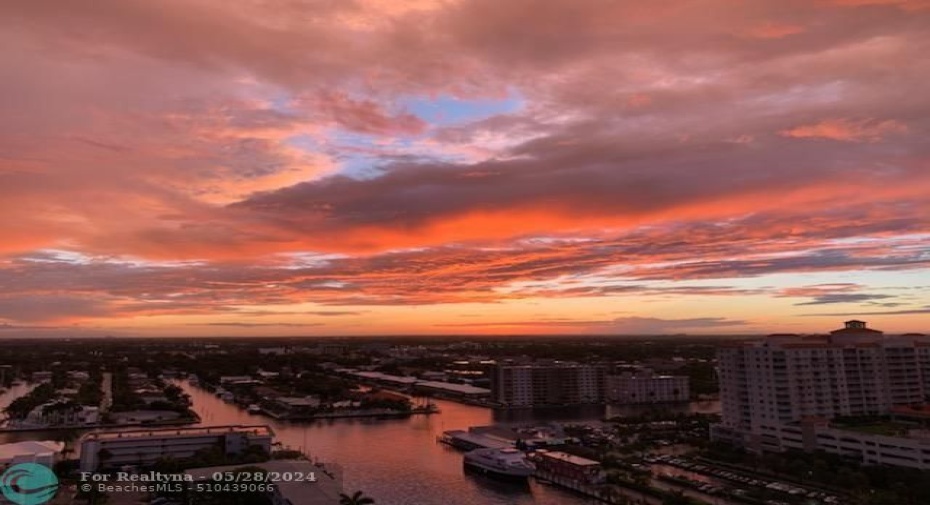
506, 464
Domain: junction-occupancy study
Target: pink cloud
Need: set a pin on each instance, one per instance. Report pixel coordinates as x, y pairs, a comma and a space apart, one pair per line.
772, 30
366, 116
209, 131
909, 5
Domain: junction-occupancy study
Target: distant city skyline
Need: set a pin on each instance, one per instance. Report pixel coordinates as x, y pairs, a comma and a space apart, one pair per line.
452, 167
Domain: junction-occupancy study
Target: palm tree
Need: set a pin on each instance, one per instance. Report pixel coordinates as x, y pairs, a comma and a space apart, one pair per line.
357, 498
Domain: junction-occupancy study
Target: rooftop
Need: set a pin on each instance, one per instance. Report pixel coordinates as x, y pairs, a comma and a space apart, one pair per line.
29, 448
178, 432
457, 388
570, 458
854, 327
398, 379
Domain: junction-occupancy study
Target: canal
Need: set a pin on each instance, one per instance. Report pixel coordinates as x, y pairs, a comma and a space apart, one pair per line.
397, 461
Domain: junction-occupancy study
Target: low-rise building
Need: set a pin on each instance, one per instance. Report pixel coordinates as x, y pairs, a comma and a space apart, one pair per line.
565, 469
452, 390
438, 388
237, 379
112, 449
299, 402
44, 452
60, 413
42, 376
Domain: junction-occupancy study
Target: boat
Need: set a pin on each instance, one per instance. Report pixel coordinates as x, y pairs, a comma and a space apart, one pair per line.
506, 464
254, 409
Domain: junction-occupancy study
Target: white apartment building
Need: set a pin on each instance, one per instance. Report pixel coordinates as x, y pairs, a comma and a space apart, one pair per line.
547, 384
771, 387
44, 452
145, 447
646, 387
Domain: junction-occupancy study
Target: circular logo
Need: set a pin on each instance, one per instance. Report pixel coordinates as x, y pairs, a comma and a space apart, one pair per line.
28, 484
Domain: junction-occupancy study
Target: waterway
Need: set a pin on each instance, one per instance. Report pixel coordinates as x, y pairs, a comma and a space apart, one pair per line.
7, 397
396, 461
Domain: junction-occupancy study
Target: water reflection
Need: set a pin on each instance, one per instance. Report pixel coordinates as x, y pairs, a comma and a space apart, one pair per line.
398, 461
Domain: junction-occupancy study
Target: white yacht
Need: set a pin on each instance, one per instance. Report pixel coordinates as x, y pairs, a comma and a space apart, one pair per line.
507, 463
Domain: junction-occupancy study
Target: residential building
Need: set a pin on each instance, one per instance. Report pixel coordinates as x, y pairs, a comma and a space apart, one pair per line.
450, 390
45, 452
59, 413
646, 387
42, 376
782, 392
438, 388
144, 447
854, 371
547, 384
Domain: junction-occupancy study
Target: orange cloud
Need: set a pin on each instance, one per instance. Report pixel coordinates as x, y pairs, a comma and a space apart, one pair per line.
848, 130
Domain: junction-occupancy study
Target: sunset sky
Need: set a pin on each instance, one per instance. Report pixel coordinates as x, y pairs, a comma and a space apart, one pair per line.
358, 167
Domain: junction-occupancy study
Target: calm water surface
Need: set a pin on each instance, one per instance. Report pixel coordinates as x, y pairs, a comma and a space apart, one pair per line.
397, 462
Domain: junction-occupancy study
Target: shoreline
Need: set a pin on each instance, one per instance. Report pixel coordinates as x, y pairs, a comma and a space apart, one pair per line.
193, 419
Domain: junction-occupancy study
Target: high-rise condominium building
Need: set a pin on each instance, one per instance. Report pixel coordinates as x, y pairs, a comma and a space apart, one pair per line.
549, 384
787, 380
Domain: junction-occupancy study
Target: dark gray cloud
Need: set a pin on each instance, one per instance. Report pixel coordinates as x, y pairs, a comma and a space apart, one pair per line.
844, 298
901, 312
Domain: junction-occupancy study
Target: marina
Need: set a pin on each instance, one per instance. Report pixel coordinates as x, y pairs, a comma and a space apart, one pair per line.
397, 461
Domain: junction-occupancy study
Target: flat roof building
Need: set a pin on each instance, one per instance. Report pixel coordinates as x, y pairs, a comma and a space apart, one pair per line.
770, 388
112, 449
45, 452
547, 384
647, 387
567, 469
